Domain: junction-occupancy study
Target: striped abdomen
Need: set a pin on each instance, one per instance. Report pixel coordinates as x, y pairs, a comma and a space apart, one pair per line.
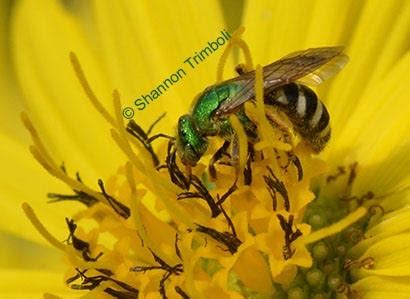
307, 113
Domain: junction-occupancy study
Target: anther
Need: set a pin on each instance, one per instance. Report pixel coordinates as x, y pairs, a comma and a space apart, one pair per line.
352, 173
290, 235
367, 263
340, 171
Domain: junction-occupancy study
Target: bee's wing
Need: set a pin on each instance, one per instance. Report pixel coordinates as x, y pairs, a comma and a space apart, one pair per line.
325, 71
313, 65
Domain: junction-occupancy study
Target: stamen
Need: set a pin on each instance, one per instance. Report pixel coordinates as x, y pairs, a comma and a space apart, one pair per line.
31, 215
275, 185
340, 171
40, 153
285, 181
355, 235
122, 134
376, 210
336, 227
352, 174
265, 129
79, 196
228, 239
87, 89
181, 293
366, 263
124, 146
79, 244
136, 207
290, 235
242, 142
37, 140
148, 173
228, 220
202, 192
345, 289
40, 159
235, 40
160, 186
117, 108
177, 270
117, 206
61, 175
246, 52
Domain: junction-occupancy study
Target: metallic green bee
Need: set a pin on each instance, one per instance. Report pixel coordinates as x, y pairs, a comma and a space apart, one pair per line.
310, 119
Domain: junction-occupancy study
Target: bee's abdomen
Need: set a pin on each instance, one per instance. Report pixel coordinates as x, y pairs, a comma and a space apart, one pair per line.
307, 113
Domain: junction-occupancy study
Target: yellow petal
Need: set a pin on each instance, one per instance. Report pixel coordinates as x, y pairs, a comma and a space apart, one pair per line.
275, 28
26, 180
139, 52
331, 22
253, 259
388, 226
132, 28
389, 294
377, 21
391, 257
376, 134
17, 253
383, 287
43, 36
32, 284
10, 105
128, 50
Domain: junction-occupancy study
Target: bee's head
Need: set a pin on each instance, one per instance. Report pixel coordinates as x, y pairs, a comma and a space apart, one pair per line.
191, 146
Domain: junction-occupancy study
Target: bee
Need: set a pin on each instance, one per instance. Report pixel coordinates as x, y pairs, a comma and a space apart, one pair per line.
285, 88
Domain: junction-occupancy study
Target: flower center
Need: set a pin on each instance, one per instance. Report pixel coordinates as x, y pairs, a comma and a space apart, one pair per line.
142, 233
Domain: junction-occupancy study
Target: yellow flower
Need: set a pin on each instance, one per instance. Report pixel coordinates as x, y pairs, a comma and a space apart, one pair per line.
340, 228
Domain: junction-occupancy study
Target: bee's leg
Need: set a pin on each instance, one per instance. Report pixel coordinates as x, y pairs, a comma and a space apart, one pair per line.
142, 136
155, 123
176, 175
136, 131
287, 137
160, 135
277, 123
216, 157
